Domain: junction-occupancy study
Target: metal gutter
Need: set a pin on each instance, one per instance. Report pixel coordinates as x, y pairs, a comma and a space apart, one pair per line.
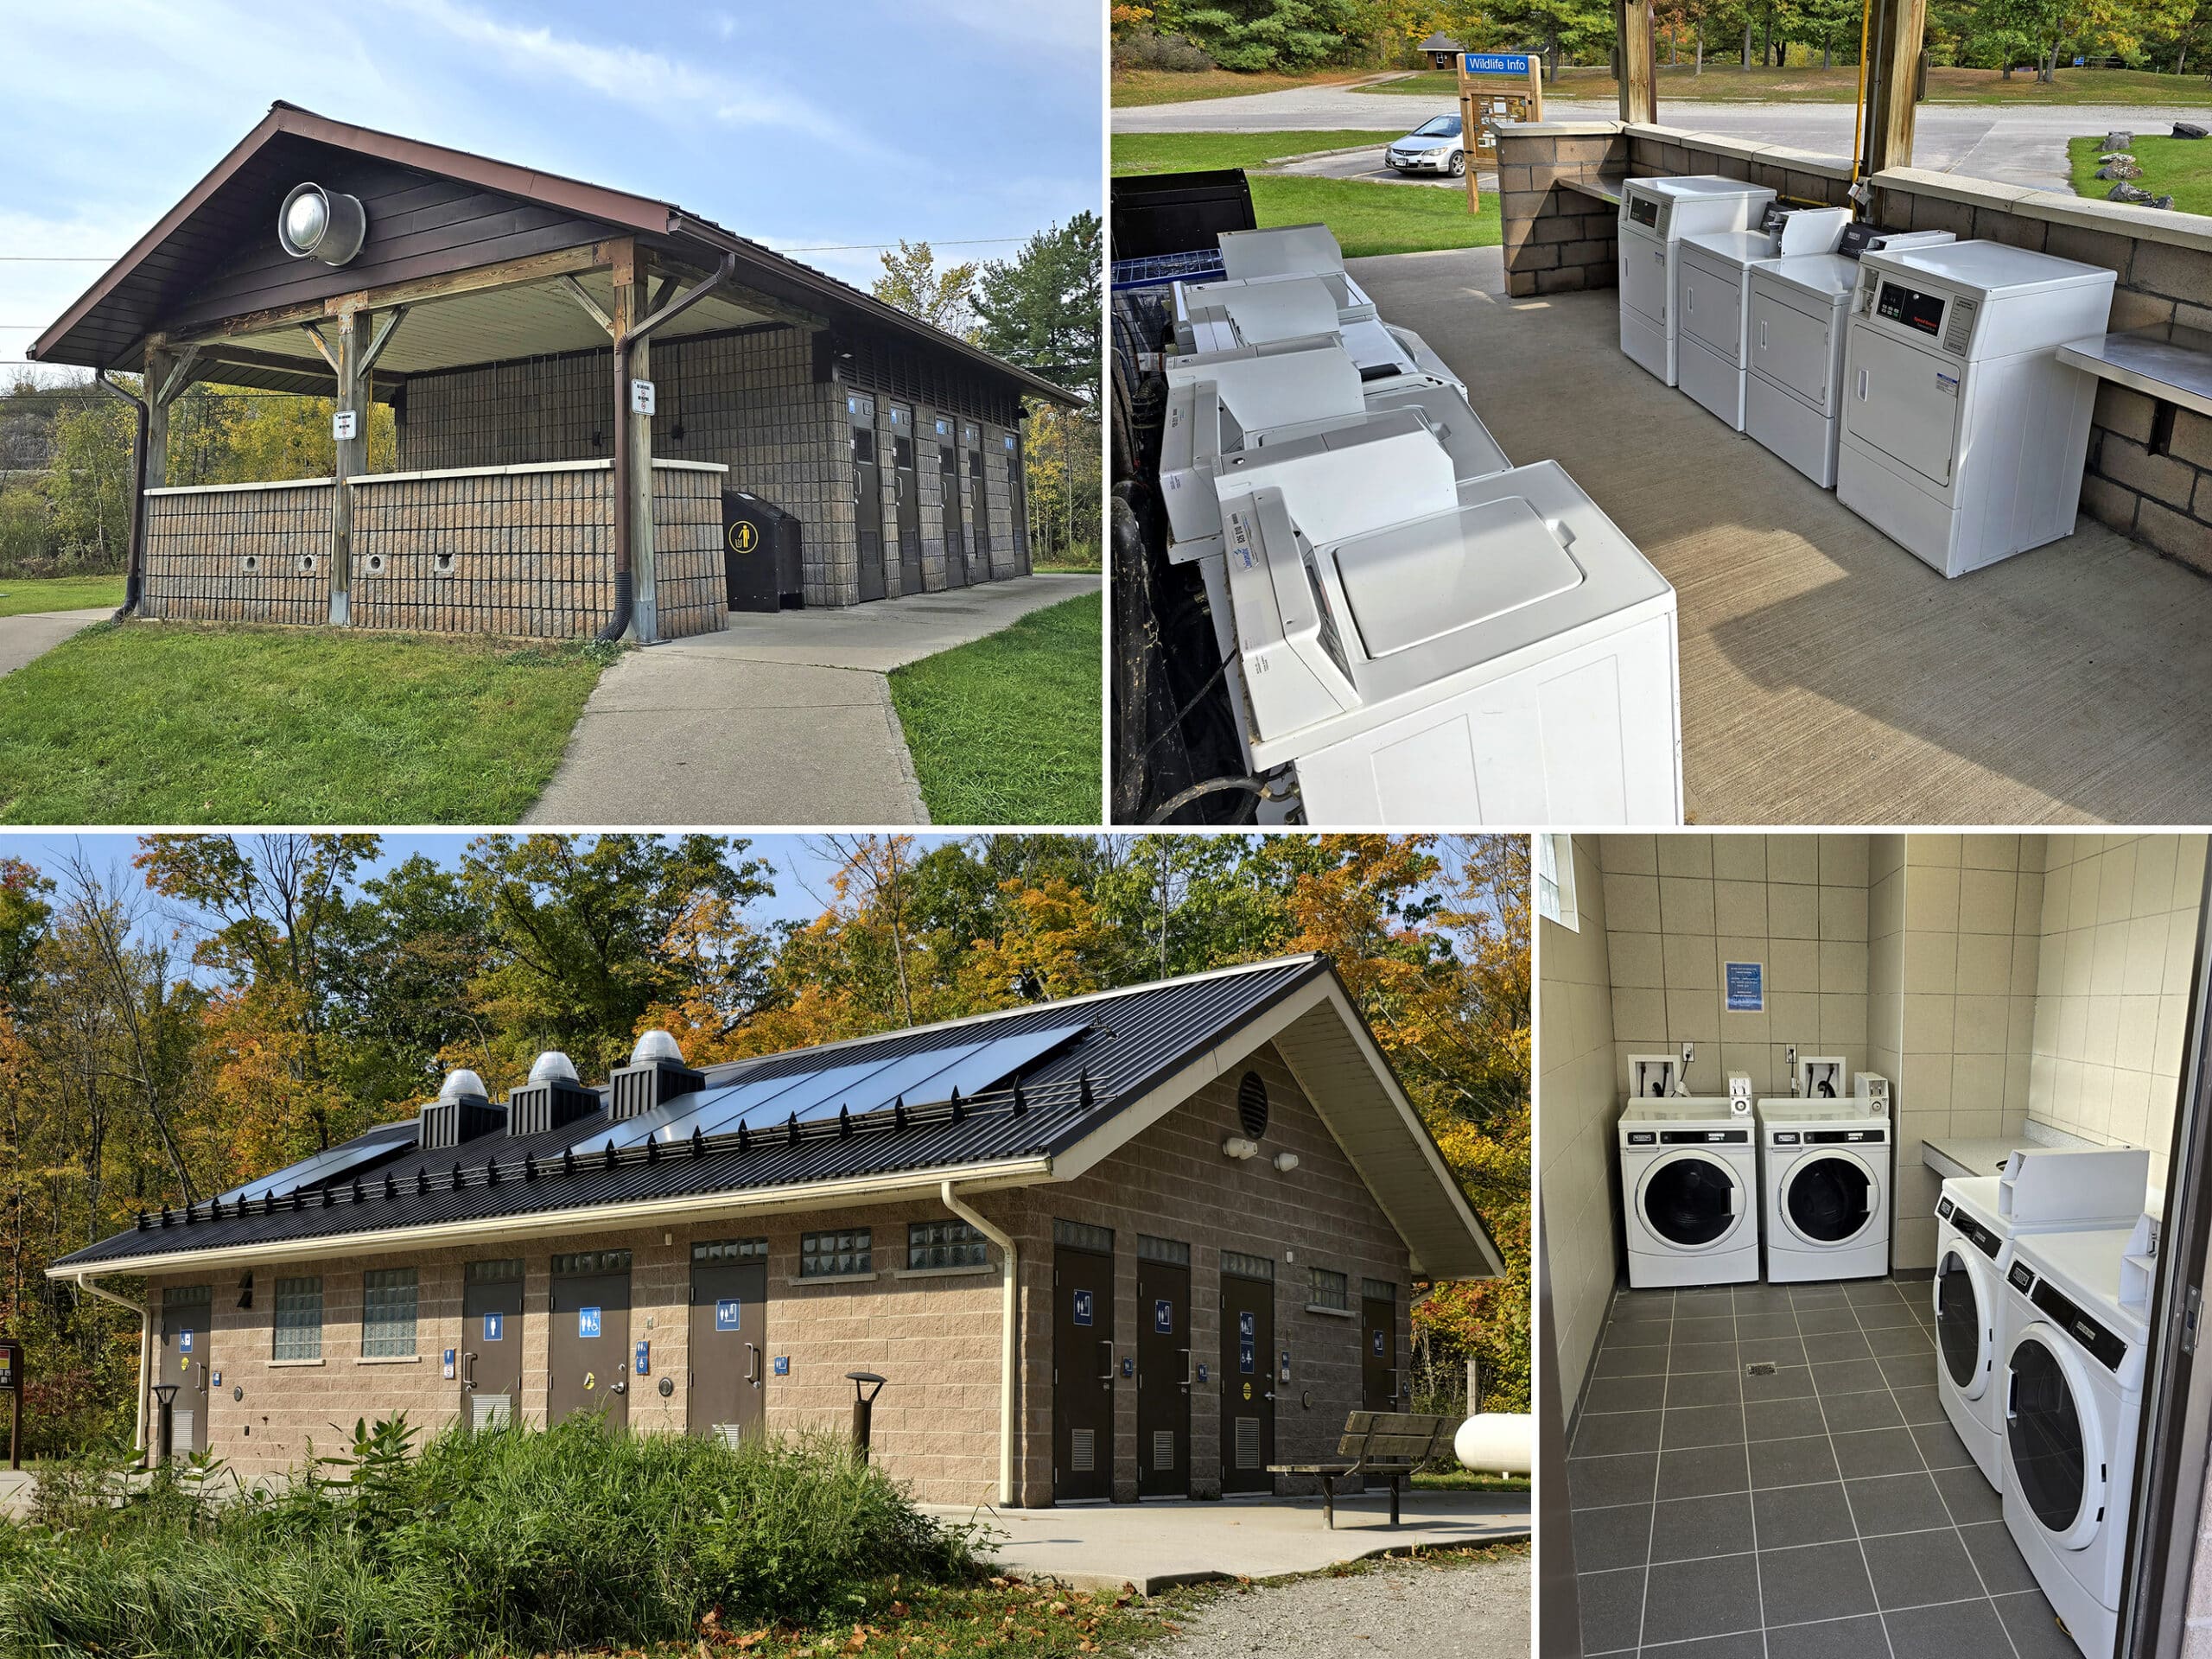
133, 562
84, 1280
1009, 1349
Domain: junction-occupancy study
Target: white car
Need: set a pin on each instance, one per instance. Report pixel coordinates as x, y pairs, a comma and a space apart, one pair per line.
1435, 147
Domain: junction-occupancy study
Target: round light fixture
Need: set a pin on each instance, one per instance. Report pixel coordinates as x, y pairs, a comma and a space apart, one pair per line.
318, 224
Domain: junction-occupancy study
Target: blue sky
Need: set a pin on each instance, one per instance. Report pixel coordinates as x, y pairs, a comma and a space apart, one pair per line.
808, 127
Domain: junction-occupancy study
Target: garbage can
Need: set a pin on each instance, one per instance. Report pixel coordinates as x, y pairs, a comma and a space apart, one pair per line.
760, 554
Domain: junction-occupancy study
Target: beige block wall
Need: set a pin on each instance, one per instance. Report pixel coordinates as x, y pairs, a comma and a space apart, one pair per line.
1577, 1105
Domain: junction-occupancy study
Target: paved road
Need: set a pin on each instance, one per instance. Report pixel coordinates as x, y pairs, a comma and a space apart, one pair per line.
1367, 163
782, 719
34, 633
2019, 146
1408, 1609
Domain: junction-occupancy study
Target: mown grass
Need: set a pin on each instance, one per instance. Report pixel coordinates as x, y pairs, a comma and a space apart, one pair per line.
21, 595
1180, 152
2180, 168
147, 722
1007, 729
1134, 86
1727, 82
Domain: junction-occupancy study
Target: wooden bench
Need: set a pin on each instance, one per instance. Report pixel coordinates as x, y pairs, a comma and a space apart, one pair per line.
1390, 1443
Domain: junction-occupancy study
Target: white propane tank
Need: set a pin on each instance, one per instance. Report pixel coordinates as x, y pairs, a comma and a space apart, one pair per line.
1496, 1442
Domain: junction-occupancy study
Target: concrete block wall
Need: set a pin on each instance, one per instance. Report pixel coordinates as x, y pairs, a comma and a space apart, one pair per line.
691, 588
239, 553
1558, 240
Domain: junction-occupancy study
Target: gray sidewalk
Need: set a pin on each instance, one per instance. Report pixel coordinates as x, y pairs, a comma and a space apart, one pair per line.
33, 634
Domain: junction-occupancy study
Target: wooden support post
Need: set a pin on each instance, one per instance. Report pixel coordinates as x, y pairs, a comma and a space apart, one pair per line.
1639, 71
1892, 79
352, 457
631, 280
1470, 132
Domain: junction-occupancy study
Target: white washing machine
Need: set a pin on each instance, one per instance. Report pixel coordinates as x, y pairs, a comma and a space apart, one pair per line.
1654, 215
1712, 297
2101, 1188
1964, 437
1690, 1193
1220, 316
1426, 650
1295, 251
1825, 1186
2073, 1404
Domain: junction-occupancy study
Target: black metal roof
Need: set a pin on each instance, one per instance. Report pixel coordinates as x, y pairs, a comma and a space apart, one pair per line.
1136, 1039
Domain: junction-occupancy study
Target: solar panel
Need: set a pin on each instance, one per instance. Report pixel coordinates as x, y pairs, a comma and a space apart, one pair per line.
371, 1148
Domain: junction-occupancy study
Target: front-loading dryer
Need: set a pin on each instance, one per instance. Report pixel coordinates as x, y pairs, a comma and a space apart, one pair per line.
1689, 1189
1655, 214
1826, 1188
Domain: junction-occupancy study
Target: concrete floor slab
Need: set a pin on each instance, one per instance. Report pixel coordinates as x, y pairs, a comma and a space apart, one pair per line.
1828, 677
1156, 1545
23, 638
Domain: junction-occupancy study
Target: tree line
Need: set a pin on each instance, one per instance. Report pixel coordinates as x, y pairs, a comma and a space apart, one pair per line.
218, 1006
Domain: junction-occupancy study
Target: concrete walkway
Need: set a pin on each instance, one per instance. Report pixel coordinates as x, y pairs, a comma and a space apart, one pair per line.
1154, 1545
782, 719
35, 633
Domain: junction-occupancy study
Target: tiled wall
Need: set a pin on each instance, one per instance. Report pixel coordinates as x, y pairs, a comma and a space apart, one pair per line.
1577, 1103
250, 553
2118, 945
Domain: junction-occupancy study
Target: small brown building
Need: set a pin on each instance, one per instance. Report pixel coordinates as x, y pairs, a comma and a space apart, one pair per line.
593, 393
1146, 1243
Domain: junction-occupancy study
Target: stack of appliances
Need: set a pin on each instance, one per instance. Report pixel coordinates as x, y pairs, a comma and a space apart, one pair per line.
1825, 1181
1690, 1172
1655, 214
1712, 298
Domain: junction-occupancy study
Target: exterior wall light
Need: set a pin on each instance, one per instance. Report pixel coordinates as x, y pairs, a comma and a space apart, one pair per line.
1286, 1161
1238, 1146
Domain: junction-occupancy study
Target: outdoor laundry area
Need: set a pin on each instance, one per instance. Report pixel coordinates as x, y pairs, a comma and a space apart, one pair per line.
608, 417
1160, 1241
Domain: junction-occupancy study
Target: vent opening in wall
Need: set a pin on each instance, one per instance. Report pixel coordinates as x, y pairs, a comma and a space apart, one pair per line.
1083, 1451
251, 562
376, 564
1252, 1105
307, 564
1163, 1449
444, 564
1247, 1443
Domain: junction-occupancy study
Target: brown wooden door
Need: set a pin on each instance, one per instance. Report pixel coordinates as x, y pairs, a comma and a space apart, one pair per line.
1163, 1378
186, 1323
948, 483
1083, 1374
905, 483
587, 1349
1378, 1354
1247, 1386
979, 505
728, 1393
1017, 497
867, 497
491, 1343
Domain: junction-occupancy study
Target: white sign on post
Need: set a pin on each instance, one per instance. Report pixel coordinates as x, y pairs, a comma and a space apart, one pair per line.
346, 425
641, 396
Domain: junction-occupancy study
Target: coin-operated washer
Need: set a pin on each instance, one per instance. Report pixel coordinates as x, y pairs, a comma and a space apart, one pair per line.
1423, 650
1295, 251
1826, 1178
1964, 437
1689, 1174
1655, 214
1712, 297
1798, 309
1223, 315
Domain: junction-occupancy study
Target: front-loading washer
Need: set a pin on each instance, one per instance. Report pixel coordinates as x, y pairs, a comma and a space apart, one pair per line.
1654, 215
1689, 1192
2075, 1367
1824, 1185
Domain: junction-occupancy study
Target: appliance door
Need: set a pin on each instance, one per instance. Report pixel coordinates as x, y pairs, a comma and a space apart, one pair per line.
1644, 277
1791, 347
1713, 305
1966, 1320
2054, 1441
1903, 402
1690, 1200
1829, 1198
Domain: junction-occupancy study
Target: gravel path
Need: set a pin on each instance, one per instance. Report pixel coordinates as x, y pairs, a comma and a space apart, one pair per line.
1406, 1610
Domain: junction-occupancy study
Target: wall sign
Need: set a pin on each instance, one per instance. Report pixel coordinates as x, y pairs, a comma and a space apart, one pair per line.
1247, 1342
1163, 1317
783, 1364
729, 1313
587, 1322
1202, 1370
1082, 1308
448, 1364
644, 1365
346, 425
495, 1328
184, 1342
1380, 1351
641, 396
1128, 1366
11, 1367
1747, 987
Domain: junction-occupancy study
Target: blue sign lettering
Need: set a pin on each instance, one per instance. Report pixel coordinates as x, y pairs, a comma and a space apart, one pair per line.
1163, 1317
495, 1328
1247, 1343
587, 1322
1202, 1370
783, 1364
184, 1342
644, 1365
1380, 1351
727, 1313
1495, 63
1082, 1308
1746, 988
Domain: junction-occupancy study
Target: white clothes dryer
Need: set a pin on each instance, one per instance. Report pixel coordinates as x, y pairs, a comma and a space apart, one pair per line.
1654, 215
1826, 1186
1689, 1174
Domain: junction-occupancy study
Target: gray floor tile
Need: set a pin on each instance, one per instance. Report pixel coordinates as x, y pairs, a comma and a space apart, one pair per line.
1761, 1298
1706, 1389
1612, 1609
1825, 1347
1638, 1333
1817, 1296
1644, 1304
1753, 1326
1783, 1382
1920, 1404
1839, 1639
1915, 1569
1685, 1527
1772, 1350
1608, 1434
1706, 1597
1782, 1420
1861, 1292
1948, 1632
1687, 1356
1890, 1317
1739, 1644
1599, 1482
1902, 1339
1847, 1412
1703, 1302
2034, 1628
1702, 1471
1969, 1496
1789, 1516
1630, 1361
1815, 1581
1717, 1329
1846, 1376
1703, 1426
1908, 1370
1875, 1451
2003, 1570
1609, 1539
1941, 1447
1906, 1503
1625, 1394
1822, 1320
1792, 1462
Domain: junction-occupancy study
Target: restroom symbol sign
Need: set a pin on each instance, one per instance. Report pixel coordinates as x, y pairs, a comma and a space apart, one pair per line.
184, 1342
1380, 1350
495, 1328
1248, 1338
1082, 1308
1163, 1317
587, 1322
727, 1313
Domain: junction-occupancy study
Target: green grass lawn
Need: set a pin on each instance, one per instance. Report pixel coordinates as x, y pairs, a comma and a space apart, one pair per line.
21, 595
1136, 86
163, 723
1727, 82
2180, 168
1007, 729
1182, 152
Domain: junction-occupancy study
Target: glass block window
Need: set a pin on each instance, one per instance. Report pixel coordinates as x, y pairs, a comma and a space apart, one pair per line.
299, 1319
1248, 1267
388, 1313
1172, 1251
1378, 1290
943, 1244
829, 1255
495, 1273
184, 1296
1327, 1289
1555, 881
730, 1249
1082, 1235
583, 1261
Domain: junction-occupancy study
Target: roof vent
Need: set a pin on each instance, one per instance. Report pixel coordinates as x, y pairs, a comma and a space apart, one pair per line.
461, 1112
318, 224
655, 1076
552, 1099
461, 1085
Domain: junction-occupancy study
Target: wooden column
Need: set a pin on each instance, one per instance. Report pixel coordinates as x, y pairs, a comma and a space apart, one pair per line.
353, 456
1892, 81
632, 292
1639, 79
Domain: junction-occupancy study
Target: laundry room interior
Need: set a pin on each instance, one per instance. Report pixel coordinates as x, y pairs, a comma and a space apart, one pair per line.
1748, 1363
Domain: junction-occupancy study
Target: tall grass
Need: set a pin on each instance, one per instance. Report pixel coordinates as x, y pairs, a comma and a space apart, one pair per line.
509, 1539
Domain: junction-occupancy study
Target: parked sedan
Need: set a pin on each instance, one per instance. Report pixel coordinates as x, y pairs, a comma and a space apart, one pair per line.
1435, 147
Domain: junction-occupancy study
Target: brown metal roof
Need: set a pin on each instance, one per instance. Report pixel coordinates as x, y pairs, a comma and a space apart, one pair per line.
107, 327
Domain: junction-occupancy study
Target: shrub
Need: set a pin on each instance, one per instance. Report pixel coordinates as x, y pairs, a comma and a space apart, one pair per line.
508, 1539
1142, 49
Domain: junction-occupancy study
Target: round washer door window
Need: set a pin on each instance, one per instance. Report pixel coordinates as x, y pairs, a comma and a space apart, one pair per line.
1690, 1201
1960, 1322
2042, 1427
1828, 1201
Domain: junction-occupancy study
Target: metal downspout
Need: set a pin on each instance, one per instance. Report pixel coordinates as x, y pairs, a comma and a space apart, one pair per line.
1009, 1349
84, 1282
132, 563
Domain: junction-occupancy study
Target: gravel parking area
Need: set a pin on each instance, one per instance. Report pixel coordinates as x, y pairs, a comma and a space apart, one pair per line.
1410, 1609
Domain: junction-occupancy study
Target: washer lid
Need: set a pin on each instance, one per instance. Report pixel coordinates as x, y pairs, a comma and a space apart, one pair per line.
1988, 267
1413, 583
1826, 277
1730, 247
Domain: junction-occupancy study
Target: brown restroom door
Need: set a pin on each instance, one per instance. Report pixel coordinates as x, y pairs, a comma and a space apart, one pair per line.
729, 1348
1083, 1374
187, 1320
587, 1352
1163, 1378
491, 1343
1247, 1386
906, 484
1017, 496
948, 484
867, 496
979, 504
1378, 1360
